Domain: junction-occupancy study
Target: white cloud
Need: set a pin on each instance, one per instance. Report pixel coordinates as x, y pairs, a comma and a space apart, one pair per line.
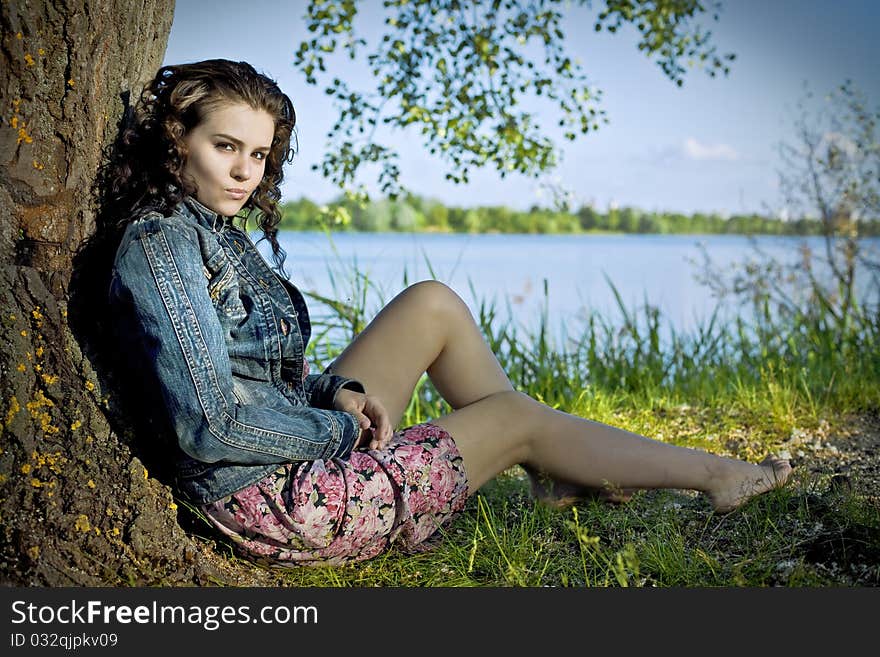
694, 150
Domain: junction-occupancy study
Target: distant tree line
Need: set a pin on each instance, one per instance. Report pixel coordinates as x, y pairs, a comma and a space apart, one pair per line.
415, 214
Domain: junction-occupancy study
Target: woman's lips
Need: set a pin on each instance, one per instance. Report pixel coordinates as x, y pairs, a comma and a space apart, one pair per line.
237, 194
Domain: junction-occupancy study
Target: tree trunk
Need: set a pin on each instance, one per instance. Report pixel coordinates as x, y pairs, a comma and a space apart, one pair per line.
78, 506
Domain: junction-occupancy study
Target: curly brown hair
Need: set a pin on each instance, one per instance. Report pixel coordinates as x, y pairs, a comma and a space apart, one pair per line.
145, 170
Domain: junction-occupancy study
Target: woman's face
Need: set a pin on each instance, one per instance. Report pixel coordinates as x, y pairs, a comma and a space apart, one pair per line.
227, 156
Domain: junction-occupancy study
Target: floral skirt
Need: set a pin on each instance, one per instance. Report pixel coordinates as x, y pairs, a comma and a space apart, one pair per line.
333, 511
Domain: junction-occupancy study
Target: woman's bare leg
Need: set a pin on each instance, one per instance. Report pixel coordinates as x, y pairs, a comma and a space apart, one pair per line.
433, 331
509, 427
428, 328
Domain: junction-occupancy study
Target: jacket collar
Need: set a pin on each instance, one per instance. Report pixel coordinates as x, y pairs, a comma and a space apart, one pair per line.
207, 218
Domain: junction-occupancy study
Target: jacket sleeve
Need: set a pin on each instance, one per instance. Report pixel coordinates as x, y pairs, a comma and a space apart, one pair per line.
159, 275
322, 388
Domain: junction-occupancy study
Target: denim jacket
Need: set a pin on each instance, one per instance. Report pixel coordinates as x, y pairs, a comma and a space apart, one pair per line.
223, 338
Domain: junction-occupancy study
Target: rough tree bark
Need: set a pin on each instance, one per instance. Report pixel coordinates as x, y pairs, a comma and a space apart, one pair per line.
78, 506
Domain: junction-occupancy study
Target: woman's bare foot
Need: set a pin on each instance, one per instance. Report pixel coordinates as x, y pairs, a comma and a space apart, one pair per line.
741, 485
562, 494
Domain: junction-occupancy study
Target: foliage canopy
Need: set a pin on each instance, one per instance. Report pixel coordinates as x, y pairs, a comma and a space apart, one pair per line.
459, 71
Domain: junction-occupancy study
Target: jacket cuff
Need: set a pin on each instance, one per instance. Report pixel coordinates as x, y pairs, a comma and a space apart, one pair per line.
323, 389
350, 432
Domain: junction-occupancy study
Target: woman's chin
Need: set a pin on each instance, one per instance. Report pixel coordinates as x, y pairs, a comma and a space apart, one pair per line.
225, 207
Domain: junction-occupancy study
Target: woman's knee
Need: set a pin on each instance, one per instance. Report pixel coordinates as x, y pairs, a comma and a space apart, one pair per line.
436, 301
504, 424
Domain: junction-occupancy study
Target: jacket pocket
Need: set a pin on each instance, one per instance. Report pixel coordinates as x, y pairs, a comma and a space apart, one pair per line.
224, 287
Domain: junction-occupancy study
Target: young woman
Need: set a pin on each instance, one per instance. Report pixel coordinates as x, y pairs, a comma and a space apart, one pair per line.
300, 467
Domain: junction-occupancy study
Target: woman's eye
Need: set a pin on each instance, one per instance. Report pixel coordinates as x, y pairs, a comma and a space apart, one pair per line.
224, 146
260, 156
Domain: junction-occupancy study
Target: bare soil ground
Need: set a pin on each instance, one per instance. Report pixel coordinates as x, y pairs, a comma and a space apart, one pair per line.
851, 456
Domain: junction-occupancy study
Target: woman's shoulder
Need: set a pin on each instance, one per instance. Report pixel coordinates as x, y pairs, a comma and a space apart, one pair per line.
151, 216
178, 227
150, 221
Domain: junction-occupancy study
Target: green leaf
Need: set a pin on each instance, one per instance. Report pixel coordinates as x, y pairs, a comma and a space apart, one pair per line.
459, 76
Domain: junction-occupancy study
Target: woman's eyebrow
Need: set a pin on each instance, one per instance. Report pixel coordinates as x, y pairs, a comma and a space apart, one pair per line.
238, 142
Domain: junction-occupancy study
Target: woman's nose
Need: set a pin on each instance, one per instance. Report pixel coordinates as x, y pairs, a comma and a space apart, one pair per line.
241, 169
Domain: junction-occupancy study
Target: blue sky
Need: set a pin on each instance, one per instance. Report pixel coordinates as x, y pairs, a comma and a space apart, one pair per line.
709, 146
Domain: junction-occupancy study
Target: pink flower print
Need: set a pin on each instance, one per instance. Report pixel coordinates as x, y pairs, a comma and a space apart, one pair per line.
251, 505
414, 478
377, 489
317, 526
442, 479
300, 496
331, 485
412, 457
266, 526
259, 549
275, 483
342, 510
418, 502
370, 523
362, 466
418, 433
424, 527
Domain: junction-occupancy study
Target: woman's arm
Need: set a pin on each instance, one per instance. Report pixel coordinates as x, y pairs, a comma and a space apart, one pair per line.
159, 277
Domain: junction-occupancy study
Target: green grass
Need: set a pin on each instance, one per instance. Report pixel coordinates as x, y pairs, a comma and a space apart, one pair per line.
804, 535
734, 389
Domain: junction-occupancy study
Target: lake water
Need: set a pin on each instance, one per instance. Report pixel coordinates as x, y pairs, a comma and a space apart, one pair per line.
512, 269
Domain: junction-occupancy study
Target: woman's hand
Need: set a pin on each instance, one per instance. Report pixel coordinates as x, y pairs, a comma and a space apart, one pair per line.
371, 415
